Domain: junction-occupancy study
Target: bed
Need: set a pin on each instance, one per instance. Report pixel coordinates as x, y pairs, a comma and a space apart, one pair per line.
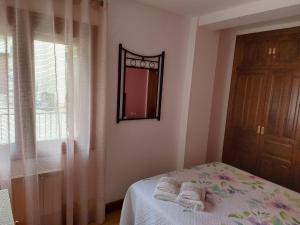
233, 197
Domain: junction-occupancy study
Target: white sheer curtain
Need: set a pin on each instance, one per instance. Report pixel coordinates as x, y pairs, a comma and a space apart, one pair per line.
52, 93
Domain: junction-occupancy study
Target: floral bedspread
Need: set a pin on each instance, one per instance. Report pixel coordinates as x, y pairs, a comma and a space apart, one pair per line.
233, 197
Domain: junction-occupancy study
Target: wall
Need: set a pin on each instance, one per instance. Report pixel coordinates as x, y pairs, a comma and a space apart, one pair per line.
195, 94
205, 60
220, 95
139, 149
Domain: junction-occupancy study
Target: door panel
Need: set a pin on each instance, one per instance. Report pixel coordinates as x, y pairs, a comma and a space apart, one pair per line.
281, 113
255, 52
246, 161
278, 140
297, 178
248, 100
275, 170
246, 117
273, 147
287, 49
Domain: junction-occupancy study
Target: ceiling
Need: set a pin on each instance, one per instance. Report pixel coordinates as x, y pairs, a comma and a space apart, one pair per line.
222, 14
194, 7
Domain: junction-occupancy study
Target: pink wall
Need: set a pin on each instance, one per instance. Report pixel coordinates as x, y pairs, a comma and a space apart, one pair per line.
136, 92
221, 95
205, 59
139, 149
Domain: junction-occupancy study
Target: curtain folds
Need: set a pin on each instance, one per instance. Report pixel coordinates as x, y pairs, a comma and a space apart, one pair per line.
52, 98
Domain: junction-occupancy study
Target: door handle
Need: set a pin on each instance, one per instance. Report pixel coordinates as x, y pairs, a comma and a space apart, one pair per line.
270, 51
258, 129
262, 131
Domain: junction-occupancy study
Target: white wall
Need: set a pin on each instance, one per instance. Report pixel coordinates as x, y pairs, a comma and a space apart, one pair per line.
139, 149
220, 95
183, 123
205, 59
194, 103
250, 13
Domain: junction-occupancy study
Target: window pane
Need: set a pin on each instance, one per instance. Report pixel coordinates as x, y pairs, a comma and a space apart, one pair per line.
7, 119
50, 90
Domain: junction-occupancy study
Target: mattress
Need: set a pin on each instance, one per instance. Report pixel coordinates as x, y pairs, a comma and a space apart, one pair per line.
233, 197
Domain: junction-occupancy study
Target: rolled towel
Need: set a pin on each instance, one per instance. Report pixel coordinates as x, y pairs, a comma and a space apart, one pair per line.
192, 196
167, 189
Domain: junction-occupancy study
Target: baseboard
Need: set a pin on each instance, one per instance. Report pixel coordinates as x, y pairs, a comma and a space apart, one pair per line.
113, 206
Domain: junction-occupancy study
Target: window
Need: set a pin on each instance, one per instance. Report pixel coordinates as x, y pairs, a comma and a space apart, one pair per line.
7, 118
50, 91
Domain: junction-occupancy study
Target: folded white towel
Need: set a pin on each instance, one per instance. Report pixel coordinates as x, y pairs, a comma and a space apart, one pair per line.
167, 189
192, 196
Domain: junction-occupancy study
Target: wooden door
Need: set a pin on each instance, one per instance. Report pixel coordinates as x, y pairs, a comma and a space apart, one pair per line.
263, 121
286, 49
279, 126
246, 116
255, 51
297, 178
296, 157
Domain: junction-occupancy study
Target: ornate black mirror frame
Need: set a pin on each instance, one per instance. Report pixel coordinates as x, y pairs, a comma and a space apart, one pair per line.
128, 59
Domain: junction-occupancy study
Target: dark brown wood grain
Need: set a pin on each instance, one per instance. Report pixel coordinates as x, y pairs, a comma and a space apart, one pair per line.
263, 122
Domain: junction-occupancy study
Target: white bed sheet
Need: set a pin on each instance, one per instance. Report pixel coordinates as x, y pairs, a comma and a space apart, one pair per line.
234, 197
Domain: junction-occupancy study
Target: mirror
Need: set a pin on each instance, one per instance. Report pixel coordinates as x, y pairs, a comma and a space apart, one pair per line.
139, 85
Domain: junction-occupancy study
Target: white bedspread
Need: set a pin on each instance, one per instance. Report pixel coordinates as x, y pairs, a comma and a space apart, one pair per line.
234, 197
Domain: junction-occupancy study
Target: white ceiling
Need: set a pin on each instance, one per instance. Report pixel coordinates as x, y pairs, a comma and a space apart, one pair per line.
194, 7
222, 14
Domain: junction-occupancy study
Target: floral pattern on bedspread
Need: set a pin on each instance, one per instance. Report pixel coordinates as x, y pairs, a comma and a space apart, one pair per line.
276, 208
263, 203
239, 197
